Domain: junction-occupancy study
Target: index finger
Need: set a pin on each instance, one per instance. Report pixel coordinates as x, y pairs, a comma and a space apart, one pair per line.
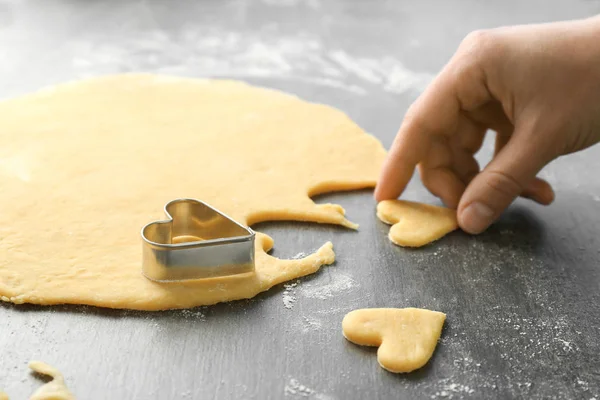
434, 113
459, 86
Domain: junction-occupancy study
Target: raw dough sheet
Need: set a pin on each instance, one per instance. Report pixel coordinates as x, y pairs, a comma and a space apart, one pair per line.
84, 165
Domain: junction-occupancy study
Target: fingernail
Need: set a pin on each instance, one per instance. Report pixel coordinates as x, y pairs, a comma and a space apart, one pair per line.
476, 218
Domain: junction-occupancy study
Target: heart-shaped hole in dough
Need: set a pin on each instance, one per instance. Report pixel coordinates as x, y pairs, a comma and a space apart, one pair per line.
406, 337
416, 224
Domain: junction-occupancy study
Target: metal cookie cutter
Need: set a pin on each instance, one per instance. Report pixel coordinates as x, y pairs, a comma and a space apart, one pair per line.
196, 241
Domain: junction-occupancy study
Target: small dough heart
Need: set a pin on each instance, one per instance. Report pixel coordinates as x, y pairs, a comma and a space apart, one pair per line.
406, 337
416, 224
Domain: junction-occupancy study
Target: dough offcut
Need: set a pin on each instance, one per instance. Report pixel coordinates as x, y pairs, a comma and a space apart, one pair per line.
84, 165
56, 389
416, 224
406, 337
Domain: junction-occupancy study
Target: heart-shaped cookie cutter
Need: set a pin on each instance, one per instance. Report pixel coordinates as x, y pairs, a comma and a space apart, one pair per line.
196, 241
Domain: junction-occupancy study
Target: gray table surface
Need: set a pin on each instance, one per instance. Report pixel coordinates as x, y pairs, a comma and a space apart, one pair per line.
522, 300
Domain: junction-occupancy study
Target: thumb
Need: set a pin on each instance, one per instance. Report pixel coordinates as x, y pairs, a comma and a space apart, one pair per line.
511, 171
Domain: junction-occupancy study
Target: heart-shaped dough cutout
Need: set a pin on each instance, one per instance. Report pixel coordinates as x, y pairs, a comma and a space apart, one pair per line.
406, 337
416, 224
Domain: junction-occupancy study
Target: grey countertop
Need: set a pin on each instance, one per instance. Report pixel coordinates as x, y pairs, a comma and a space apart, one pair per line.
522, 300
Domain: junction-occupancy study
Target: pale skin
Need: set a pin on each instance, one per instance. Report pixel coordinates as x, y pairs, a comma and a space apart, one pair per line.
536, 86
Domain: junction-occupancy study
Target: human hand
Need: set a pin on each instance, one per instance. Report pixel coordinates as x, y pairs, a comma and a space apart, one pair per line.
536, 86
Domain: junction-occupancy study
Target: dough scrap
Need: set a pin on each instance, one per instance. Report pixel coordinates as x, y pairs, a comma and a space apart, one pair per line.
406, 337
56, 389
84, 165
416, 224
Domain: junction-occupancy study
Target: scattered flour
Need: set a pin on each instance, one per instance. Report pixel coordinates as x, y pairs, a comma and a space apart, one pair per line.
288, 296
335, 310
452, 389
338, 283
311, 324
299, 256
537, 336
387, 72
314, 4
267, 53
295, 389
583, 384
193, 314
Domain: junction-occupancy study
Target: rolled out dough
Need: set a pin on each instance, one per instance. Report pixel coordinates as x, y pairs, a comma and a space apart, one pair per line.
416, 224
406, 337
84, 165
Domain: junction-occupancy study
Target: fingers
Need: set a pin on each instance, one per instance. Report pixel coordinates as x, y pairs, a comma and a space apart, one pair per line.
465, 144
501, 139
433, 114
509, 174
466, 167
443, 183
460, 86
539, 191
450, 164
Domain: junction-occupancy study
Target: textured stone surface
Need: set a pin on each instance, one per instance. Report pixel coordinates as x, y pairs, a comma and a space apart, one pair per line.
522, 300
